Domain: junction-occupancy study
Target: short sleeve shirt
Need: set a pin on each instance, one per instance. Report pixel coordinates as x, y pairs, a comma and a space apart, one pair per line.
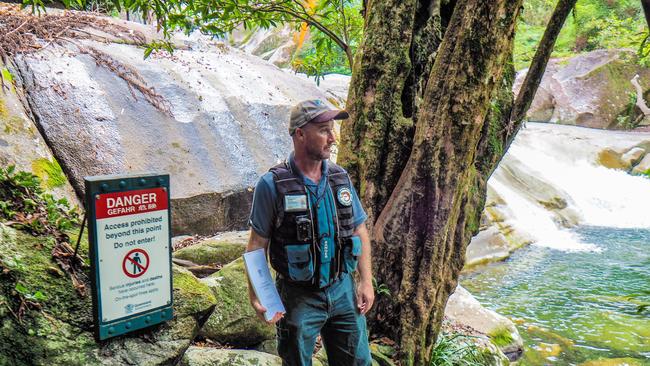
321, 201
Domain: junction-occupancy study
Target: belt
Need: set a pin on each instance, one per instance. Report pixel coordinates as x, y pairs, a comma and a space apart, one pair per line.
308, 286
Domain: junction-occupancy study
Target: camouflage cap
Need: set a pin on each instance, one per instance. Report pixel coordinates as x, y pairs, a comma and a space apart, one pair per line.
314, 111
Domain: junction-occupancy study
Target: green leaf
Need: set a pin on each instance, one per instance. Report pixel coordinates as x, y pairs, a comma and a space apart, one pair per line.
21, 289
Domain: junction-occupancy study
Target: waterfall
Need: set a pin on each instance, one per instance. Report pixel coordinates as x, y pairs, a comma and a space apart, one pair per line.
560, 161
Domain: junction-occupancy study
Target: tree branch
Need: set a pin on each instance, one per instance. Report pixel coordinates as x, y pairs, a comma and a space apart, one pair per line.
538, 66
640, 102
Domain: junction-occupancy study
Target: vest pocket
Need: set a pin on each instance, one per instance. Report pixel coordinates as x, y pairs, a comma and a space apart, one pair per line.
352, 253
301, 267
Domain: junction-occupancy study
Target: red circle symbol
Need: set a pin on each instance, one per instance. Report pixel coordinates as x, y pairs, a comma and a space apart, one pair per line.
133, 265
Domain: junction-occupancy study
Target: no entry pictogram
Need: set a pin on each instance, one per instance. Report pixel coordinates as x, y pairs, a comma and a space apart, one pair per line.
135, 263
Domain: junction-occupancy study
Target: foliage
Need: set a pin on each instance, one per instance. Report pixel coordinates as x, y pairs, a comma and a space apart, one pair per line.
336, 25
628, 119
595, 24
322, 55
458, 350
24, 203
501, 337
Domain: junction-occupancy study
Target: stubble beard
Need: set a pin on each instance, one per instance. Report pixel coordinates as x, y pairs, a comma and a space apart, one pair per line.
318, 154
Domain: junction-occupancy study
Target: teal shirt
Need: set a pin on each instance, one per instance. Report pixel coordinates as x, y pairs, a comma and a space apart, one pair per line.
323, 207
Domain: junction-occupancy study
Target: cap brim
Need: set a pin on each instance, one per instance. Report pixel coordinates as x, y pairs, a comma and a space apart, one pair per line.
330, 115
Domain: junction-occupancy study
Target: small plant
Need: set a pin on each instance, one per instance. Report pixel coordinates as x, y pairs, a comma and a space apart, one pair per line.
458, 350
26, 206
24, 203
380, 289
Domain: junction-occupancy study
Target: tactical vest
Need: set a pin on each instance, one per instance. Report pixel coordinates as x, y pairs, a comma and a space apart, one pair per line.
294, 248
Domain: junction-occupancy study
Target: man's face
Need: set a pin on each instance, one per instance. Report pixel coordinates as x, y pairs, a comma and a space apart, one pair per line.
318, 139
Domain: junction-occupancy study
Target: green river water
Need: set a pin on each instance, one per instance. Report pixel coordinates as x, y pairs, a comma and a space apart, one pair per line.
573, 308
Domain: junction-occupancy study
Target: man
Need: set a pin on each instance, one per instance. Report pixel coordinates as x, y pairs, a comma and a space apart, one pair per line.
308, 217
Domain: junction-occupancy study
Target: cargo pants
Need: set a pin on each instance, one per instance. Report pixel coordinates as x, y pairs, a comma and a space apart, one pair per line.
332, 312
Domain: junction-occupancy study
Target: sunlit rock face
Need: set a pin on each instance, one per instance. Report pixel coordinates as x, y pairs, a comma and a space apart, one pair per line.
589, 90
213, 117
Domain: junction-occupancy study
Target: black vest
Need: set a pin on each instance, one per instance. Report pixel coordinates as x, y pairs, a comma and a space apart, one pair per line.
295, 255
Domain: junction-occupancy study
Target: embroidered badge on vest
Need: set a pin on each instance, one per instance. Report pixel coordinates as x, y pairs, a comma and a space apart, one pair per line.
344, 196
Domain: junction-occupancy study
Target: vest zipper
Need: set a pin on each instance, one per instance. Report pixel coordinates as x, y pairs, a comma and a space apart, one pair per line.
313, 241
338, 231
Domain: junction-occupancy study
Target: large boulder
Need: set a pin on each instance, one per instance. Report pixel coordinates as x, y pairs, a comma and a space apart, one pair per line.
213, 117
46, 321
234, 321
588, 90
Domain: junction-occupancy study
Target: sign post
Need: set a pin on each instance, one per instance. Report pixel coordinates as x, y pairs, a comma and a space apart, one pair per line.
130, 252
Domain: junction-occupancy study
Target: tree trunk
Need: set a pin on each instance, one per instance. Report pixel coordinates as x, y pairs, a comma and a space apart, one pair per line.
390, 73
437, 113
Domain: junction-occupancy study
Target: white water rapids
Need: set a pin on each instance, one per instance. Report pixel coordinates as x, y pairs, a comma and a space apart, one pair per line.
560, 161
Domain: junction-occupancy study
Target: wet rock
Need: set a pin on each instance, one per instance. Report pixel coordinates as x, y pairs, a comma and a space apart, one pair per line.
611, 159
462, 308
633, 156
643, 166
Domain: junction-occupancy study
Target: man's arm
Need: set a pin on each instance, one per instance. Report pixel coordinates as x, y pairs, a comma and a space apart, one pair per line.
365, 291
255, 242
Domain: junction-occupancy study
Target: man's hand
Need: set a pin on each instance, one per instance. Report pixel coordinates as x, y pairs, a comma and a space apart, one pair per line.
365, 297
260, 310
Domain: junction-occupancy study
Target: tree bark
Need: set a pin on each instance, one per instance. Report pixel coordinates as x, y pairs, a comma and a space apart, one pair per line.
417, 229
389, 76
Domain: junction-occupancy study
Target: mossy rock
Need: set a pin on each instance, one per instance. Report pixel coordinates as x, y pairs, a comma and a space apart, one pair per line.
58, 330
234, 321
198, 356
212, 251
50, 172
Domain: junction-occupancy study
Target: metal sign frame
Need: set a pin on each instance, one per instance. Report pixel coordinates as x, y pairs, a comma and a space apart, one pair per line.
99, 185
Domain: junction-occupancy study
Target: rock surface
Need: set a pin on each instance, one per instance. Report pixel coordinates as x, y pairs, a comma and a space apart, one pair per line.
233, 321
213, 117
276, 45
643, 167
23, 146
587, 90
633, 156
58, 330
197, 356
462, 308
219, 250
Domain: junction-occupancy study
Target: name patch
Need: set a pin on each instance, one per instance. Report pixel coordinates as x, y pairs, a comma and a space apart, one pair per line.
293, 203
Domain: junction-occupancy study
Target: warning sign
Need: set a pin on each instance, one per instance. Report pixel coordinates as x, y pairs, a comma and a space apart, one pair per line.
133, 252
